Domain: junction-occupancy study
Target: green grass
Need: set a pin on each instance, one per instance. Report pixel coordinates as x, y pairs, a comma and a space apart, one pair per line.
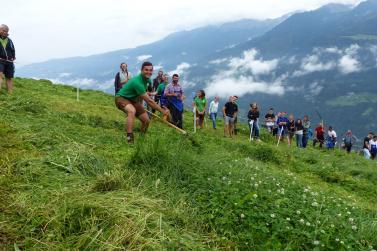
68, 180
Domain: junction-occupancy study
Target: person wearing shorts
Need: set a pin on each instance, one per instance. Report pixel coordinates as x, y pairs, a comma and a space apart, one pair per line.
129, 99
7, 56
230, 111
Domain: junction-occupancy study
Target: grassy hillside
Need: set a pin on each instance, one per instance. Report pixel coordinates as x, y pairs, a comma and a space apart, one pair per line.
68, 181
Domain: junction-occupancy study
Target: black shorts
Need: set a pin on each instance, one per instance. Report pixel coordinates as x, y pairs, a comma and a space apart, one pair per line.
7, 68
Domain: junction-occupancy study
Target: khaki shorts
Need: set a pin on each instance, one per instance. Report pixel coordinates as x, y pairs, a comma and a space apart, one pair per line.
121, 103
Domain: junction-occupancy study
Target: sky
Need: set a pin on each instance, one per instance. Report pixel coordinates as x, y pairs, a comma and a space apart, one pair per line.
46, 29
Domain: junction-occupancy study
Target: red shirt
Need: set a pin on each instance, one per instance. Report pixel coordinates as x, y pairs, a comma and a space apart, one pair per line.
319, 131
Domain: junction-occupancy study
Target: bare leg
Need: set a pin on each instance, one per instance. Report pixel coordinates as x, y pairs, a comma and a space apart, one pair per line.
10, 85
130, 109
231, 130
1, 79
144, 122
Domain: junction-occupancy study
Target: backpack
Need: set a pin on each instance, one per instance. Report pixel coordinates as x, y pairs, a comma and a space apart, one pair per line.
373, 148
163, 98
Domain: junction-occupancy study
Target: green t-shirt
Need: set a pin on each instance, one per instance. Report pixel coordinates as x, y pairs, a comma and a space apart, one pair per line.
200, 103
161, 88
134, 88
4, 42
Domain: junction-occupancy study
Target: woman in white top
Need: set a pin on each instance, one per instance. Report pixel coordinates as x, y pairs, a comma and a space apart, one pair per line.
213, 108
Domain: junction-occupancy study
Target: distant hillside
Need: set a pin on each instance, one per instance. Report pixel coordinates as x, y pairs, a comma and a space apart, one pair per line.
69, 180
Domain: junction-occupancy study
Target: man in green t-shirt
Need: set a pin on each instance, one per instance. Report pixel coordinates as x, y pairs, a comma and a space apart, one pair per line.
129, 99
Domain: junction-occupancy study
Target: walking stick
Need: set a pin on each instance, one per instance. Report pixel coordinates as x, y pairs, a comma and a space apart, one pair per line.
251, 123
166, 122
281, 132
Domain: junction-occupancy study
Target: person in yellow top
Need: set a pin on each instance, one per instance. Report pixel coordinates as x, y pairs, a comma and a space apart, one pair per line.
7, 56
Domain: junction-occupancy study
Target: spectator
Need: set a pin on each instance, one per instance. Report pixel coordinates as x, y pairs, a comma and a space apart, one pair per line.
349, 139
174, 95
319, 135
121, 77
299, 131
366, 145
253, 117
306, 131
269, 119
373, 147
331, 138
213, 108
230, 111
200, 103
291, 129
7, 57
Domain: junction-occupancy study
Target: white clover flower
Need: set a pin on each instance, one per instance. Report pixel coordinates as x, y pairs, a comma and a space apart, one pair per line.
252, 178
332, 225
209, 178
337, 239
316, 242
230, 173
255, 196
341, 242
350, 220
323, 231
256, 185
288, 219
348, 212
302, 221
306, 190
224, 178
272, 215
298, 212
339, 215
308, 224
354, 227
288, 228
318, 222
242, 216
314, 204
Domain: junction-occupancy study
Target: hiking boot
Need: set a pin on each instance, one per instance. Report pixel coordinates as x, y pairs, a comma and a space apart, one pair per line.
130, 138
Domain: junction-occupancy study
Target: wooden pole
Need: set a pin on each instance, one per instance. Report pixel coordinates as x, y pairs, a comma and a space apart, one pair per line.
166, 122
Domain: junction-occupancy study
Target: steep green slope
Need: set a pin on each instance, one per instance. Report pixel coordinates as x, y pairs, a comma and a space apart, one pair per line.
68, 180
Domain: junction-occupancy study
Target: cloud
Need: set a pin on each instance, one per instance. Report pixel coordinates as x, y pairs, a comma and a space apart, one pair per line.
343, 59
348, 64
240, 86
242, 75
256, 66
64, 74
181, 69
311, 64
218, 61
143, 57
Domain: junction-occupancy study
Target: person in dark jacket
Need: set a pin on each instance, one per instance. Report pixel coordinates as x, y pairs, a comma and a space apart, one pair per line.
7, 56
121, 77
253, 119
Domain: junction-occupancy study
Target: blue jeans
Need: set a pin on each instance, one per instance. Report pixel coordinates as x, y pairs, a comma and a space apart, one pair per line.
213, 117
255, 132
299, 140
